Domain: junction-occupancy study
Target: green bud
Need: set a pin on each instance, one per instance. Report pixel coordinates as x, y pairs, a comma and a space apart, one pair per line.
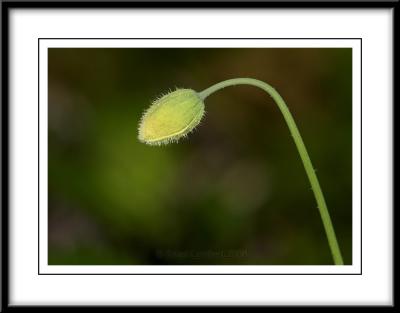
171, 117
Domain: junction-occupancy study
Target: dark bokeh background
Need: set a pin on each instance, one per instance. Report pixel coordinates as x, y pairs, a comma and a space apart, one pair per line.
234, 192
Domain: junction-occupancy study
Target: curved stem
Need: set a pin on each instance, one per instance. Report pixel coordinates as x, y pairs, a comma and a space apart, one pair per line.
323, 209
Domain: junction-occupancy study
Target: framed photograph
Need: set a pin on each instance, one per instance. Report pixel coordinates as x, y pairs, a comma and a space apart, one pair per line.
198, 153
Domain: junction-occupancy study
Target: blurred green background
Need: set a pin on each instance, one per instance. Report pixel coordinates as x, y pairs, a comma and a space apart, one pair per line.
234, 192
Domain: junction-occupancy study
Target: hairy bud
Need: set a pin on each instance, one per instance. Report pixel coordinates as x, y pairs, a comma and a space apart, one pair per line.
171, 117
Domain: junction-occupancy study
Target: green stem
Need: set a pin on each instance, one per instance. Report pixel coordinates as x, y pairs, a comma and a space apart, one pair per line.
323, 209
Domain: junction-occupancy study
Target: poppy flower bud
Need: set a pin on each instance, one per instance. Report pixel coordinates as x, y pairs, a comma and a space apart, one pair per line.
171, 117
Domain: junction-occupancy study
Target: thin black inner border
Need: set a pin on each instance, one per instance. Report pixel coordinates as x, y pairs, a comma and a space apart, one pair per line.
294, 274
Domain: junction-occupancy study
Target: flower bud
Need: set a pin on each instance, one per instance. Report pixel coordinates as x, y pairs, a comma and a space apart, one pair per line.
171, 117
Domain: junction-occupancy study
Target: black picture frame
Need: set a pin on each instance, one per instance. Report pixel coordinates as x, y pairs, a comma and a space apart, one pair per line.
8, 6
